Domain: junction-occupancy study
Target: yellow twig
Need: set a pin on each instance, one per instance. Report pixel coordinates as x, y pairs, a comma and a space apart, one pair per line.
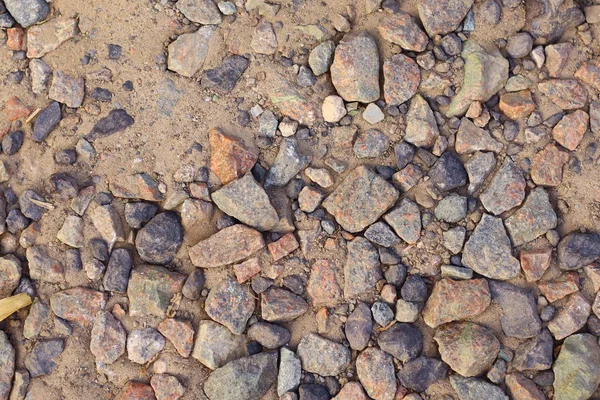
12, 304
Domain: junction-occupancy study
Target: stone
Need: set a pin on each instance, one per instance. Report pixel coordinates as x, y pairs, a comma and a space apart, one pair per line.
290, 372
403, 341
186, 55
280, 305
67, 89
37, 317
46, 121
351, 391
479, 167
589, 73
245, 200
533, 219
79, 305
7, 366
27, 12
522, 388
144, 344
414, 289
359, 326
321, 57
229, 245
137, 186
117, 272
556, 58
270, 336
576, 373
577, 250
116, 121
108, 223
108, 339
43, 357
353, 203
47, 37
333, 109
362, 263
322, 356
166, 387
448, 173
42, 266
230, 157
180, 333
401, 29
288, 163
519, 311
405, 219
443, 17
223, 78
570, 129
268, 123
401, 79
151, 289
371, 144
20, 385
471, 139
373, 114
12, 142
407, 311
230, 304
547, 166
452, 208
215, 345
40, 76
204, 12
264, 40
355, 68
517, 105
535, 353
323, 288
10, 274
247, 378
422, 372
474, 389
283, 247
291, 102
29, 205
421, 127
506, 189
568, 94
320, 176
453, 300
571, 317
553, 20
71, 232
519, 45
468, 348
375, 370
485, 73
381, 234
382, 313
246, 270
136, 391
535, 262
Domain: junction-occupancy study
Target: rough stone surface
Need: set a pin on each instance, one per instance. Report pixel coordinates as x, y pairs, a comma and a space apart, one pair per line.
108, 339
279, 305
359, 326
567, 94
323, 287
470, 139
506, 189
577, 250
401, 79
362, 264
151, 289
570, 129
375, 370
547, 166
67, 89
27, 12
44, 38
475, 389
180, 333
290, 372
230, 304
519, 311
533, 219
403, 341
421, 373
322, 356
188, 52
448, 172
479, 167
159, 240
79, 305
43, 357
116, 121
46, 121
535, 353
230, 158
204, 12
577, 368
441, 17
405, 219
571, 317
402, 29
215, 345
289, 162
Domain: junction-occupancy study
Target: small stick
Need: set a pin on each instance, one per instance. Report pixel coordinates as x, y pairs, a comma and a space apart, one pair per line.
32, 116
12, 304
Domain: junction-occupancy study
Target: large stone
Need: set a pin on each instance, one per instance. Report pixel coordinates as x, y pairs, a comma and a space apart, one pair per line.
360, 199
151, 289
476, 389
215, 345
108, 339
553, 20
245, 200
453, 300
535, 354
355, 68
43, 357
247, 378
27, 12
577, 250
290, 372
227, 246
441, 17
401, 79
230, 158
230, 304
488, 250
448, 172
375, 370
322, 356
403, 341
188, 52
401, 29
79, 305
577, 368
421, 126
44, 38
204, 12
468, 348
571, 317
359, 326
405, 219
144, 344
533, 219
519, 311
485, 73
289, 162
361, 270
506, 189
470, 139
180, 333
570, 129
421, 373
279, 305
568, 94
67, 89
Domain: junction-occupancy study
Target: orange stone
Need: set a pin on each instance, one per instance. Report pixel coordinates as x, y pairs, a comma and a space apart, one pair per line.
535, 262
517, 105
283, 246
570, 129
522, 388
590, 73
136, 391
230, 158
561, 287
352, 391
246, 270
14, 109
323, 287
15, 38
547, 166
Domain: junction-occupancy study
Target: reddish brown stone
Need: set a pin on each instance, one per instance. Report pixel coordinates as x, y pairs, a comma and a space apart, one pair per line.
246, 270
453, 300
15, 38
227, 246
199, 190
279, 305
78, 304
137, 186
535, 262
180, 333
375, 369
351, 391
230, 158
521, 388
593, 273
561, 287
590, 73
323, 287
284, 246
136, 391
291, 102
402, 29
517, 105
571, 317
547, 166
44, 38
167, 387
570, 129
401, 77
309, 199
470, 139
567, 94
407, 177
14, 109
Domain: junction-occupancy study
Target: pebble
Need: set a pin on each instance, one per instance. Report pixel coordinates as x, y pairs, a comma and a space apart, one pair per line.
577, 250
186, 55
280, 305
421, 128
519, 45
533, 219
116, 121
535, 353
322, 356
452, 208
557, 56
108, 223
321, 57
46, 121
43, 357
117, 272
144, 344
448, 172
215, 345
571, 317
402, 29
506, 189
36, 319
403, 341
405, 219
473, 389
204, 12
382, 313
333, 109
382, 235
12, 142
401, 79
150, 290
570, 129
139, 213
288, 163
375, 370
108, 338
547, 166
358, 327
373, 114
419, 374
42, 266
371, 144
27, 12
10, 270
20, 385
135, 391
230, 304
567, 94
362, 263
579, 356
160, 239
519, 313
67, 89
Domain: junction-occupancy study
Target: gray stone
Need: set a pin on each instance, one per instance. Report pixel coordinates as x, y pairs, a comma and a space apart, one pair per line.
571, 317
116, 121
519, 311
506, 189
223, 78
39, 314
321, 57
448, 173
264, 39
577, 368
67, 89
382, 313
577, 250
290, 372
362, 264
43, 357
421, 127
476, 389
270, 336
479, 167
40, 75
108, 338
381, 234
533, 219
403, 341
215, 345
452, 208
289, 162
138, 213
117, 272
454, 239
280, 305
519, 45
405, 219
230, 304
535, 354
422, 372
46, 121
375, 370
359, 326
28, 12
204, 12
160, 239
322, 356
188, 52
144, 344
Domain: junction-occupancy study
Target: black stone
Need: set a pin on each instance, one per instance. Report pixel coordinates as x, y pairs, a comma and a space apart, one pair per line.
116, 121
12, 142
403, 341
225, 76
101, 94
46, 121
137, 214
73, 260
314, 392
114, 51
128, 86
29, 208
65, 185
117, 272
104, 198
160, 239
66, 157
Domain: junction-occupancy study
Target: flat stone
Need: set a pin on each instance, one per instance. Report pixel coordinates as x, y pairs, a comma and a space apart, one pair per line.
290, 372
468, 348
42, 266
280, 305
230, 304
167, 387
535, 354
535, 262
479, 167
354, 203
27, 12
136, 391
44, 38
321, 57
180, 333
381, 234
283, 247
204, 12
519, 311
144, 344
517, 105
567, 94
151, 289
375, 370
270, 336
547, 166
186, 55
448, 172
571, 317
215, 345
577, 368
116, 121
442, 17
405, 219
322, 356
229, 245
506, 189
355, 68
46, 121
577, 250
245, 200
108, 339
351, 391
288, 163
223, 78
36, 319
453, 300
247, 378
359, 326
421, 127
67, 89
323, 287
475, 389
79, 305
401, 29
570, 129
291, 102
137, 186
362, 263
452, 208
470, 139
401, 79
264, 39
422, 372
403, 341
71, 232
533, 219
43, 357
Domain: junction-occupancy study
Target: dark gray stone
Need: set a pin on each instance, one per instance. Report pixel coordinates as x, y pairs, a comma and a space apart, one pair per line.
137, 214
12, 142
46, 121
116, 121
577, 250
359, 326
448, 172
29, 208
192, 288
519, 311
116, 276
403, 341
535, 353
28, 12
313, 391
224, 77
160, 239
476, 389
404, 154
420, 373
414, 289
380, 233
43, 357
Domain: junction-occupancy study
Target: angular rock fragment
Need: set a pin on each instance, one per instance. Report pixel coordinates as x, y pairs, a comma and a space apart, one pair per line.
204, 12
375, 370
571, 317
359, 326
137, 186
519, 311
421, 373
421, 127
289, 162
403, 341
475, 389
448, 172
215, 345
547, 166
279, 305
479, 167
577, 250
180, 333
44, 38
323, 288
7, 366
67, 89
577, 368
224, 77
43, 357
405, 219
401, 29
567, 94
46, 121
441, 17
116, 121
533, 219
79, 305
151, 289
362, 264
230, 304
230, 158
42, 266
108, 339
144, 344
401, 79
322, 356
188, 52
535, 353
470, 139
290, 372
